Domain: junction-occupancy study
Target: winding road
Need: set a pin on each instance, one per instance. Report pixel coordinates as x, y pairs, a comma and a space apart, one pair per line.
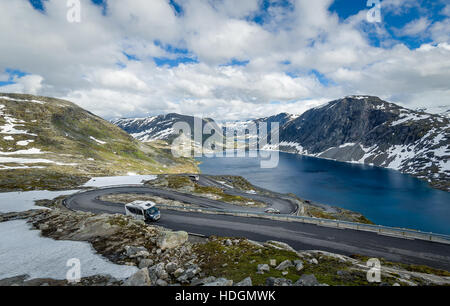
300, 236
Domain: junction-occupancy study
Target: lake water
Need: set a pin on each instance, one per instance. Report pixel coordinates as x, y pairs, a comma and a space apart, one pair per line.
385, 196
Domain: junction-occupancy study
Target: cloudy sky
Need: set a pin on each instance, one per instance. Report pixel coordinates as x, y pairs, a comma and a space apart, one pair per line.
226, 59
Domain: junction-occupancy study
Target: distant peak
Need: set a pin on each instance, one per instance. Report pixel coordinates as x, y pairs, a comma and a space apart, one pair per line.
362, 97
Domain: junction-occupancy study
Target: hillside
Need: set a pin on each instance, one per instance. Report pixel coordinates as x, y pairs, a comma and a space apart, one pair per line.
364, 129
51, 143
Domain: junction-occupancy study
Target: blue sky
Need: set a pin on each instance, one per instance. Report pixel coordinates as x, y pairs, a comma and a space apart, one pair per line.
227, 58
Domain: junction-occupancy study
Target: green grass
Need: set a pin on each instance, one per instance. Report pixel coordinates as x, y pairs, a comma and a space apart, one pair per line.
220, 261
222, 196
235, 181
177, 182
248, 259
344, 215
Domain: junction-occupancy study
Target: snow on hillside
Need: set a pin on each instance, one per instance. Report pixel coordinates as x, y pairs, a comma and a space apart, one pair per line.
23, 201
118, 180
25, 252
11, 124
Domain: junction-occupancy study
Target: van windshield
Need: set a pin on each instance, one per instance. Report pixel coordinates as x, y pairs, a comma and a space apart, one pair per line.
152, 211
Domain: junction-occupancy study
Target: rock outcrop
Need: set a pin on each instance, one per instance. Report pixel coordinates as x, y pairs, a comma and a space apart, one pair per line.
171, 240
140, 278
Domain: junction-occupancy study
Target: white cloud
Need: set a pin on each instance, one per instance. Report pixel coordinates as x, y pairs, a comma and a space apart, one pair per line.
415, 27
31, 84
86, 63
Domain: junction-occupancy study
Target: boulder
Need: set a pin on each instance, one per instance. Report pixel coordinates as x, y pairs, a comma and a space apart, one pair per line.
161, 271
228, 242
279, 245
246, 282
263, 268
161, 283
284, 265
178, 272
140, 278
145, 263
192, 272
171, 267
198, 282
133, 251
298, 265
220, 282
307, 280
183, 279
314, 261
272, 281
93, 227
171, 240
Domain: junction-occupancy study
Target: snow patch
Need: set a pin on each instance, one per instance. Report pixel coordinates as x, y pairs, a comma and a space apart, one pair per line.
24, 251
23, 152
21, 100
24, 143
118, 180
23, 201
18, 160
410, 117
11, 124
20, 167
98, 141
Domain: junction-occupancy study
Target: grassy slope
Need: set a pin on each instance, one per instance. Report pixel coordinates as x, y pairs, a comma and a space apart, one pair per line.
64, 132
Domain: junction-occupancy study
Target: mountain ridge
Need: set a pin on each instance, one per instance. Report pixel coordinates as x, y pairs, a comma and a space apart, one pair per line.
367, 130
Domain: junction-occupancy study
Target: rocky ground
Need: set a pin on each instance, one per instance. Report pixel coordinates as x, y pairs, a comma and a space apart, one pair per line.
165, 258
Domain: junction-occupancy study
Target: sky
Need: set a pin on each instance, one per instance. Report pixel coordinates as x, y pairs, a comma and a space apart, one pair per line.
226, 59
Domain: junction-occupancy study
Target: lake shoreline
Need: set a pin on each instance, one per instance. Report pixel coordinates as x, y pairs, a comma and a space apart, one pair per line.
385, 196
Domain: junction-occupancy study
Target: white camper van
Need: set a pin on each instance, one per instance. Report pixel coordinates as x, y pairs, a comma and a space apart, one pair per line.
143, 210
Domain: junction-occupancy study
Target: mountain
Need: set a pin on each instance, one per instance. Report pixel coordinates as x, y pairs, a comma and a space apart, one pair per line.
158, 127
356, 129
242, 127
368, 130
47, 142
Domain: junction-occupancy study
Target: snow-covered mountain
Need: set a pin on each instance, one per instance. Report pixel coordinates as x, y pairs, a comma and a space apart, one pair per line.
244, 127
156, 127
368, 130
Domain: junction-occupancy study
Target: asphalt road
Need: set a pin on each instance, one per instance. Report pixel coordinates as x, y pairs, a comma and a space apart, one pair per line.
299, 235
89, 201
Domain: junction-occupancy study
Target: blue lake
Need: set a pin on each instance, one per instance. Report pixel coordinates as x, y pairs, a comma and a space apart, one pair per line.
385, 196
